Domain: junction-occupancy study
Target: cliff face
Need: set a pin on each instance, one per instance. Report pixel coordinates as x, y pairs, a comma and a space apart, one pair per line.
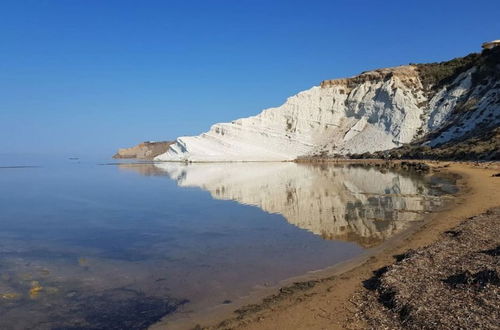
145, 150
426, 104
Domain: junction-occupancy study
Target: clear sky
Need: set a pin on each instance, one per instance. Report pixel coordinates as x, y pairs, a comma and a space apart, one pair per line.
84, 77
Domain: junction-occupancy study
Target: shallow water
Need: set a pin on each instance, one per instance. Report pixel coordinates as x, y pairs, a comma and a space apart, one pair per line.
121, 246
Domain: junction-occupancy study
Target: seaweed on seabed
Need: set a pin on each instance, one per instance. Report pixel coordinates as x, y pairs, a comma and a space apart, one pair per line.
122, 309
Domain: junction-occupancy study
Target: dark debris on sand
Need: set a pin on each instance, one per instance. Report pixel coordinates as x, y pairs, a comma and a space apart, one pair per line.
451, 284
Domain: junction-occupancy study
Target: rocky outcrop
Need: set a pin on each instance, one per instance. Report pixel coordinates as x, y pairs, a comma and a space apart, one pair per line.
426, 104
145, 150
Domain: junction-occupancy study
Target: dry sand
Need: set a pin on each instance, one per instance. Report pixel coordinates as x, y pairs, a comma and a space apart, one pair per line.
329, 303
454, 283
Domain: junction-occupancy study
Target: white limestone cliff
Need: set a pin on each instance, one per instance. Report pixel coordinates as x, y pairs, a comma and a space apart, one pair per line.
377, 110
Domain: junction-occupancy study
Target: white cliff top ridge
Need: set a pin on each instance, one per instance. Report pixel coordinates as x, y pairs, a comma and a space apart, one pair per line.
376, 110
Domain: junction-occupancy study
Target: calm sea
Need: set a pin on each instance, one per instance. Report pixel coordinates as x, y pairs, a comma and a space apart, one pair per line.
120, 246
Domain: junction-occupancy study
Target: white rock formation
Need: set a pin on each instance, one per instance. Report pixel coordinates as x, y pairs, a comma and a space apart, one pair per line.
354, 204
484, 102
374, 111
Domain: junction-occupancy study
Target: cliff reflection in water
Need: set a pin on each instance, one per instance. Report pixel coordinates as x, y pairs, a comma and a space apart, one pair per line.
361, 204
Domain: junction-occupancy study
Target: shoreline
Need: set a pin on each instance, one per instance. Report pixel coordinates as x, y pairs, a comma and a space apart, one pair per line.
246, 311
322, 299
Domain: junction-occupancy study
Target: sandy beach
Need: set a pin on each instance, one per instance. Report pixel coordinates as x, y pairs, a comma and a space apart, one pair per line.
329, 302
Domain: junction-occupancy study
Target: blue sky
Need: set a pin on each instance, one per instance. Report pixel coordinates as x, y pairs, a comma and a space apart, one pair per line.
86, 77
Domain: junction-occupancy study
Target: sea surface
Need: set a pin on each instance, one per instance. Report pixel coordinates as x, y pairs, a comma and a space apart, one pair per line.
89, 245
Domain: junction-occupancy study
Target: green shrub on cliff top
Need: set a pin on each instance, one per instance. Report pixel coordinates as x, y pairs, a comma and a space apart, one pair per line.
435, 75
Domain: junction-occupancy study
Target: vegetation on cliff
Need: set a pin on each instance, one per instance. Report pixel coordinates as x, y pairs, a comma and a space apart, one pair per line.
436, 75
478, 145
482, 143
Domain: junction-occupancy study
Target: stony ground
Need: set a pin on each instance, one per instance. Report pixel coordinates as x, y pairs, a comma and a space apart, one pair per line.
451, 284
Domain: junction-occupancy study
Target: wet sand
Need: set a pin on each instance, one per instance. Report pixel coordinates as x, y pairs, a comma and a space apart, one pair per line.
327, 303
